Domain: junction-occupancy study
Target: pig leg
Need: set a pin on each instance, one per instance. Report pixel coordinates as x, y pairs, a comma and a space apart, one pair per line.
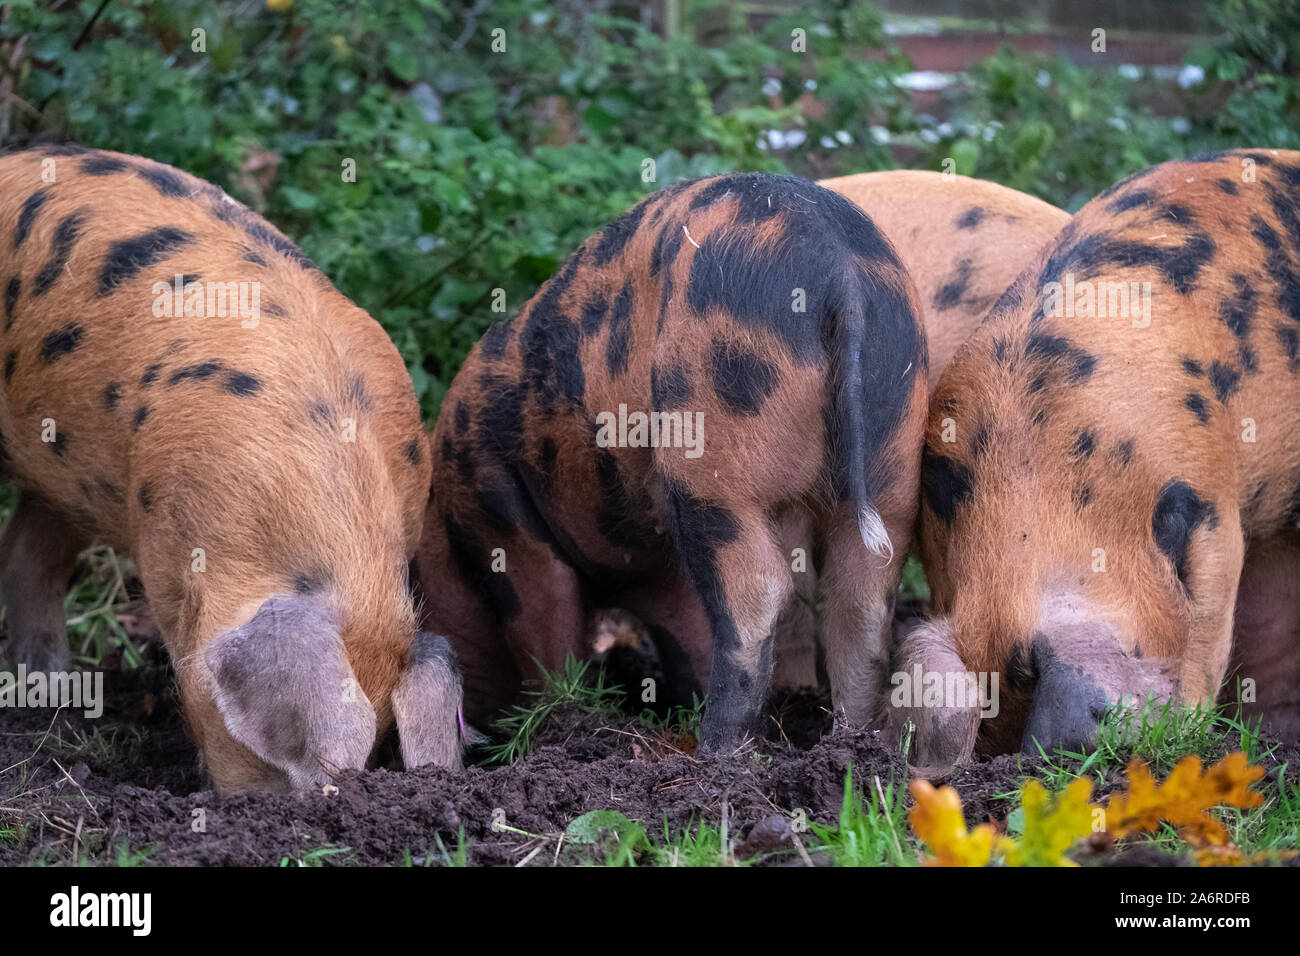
547, 619
1266, 638
857, 589
38, 551
795, 662
743, 582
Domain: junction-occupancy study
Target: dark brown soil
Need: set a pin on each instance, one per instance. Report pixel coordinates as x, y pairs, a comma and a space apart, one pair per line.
73, 789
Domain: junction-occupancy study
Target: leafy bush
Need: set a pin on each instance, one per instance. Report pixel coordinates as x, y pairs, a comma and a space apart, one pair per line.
481, 168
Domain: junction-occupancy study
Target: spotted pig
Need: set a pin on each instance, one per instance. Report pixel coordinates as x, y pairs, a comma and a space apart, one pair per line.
181, 383
1112, 463
963, 241
773, 320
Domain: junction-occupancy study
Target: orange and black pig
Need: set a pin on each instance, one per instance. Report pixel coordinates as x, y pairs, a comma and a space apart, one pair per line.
180, 382
729, 352
1111, 467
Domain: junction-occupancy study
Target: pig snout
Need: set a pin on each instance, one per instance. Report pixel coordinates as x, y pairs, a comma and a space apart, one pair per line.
1067, 704
1080, 672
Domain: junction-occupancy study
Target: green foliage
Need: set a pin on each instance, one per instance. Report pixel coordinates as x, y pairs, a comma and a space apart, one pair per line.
569, 687
1042, 125
869, 832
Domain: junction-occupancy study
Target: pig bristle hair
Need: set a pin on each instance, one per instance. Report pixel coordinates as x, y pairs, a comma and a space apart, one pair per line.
874, 535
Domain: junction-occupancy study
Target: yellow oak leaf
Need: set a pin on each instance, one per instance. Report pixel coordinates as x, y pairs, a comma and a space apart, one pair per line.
1052, 825
1184, 799
937, 820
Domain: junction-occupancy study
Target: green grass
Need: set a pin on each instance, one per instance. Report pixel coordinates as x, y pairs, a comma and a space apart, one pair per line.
1161, 733
315, 856
870, 831
569, 687
91, 610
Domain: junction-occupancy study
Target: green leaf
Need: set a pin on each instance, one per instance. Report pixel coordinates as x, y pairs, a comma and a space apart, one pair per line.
591, 826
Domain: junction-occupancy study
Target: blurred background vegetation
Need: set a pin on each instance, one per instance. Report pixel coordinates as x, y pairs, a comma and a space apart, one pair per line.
479, 170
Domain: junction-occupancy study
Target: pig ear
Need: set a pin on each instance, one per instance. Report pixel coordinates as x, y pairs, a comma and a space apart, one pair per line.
943, 737
426, 703
286, 691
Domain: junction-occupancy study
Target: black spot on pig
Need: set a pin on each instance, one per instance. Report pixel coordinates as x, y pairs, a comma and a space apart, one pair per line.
127, 257
60, 443
1124, 452
241, 383
593, 314
500, 425
550, 344
66, 235
1084, 444
461, 418
358, 394
198, 372
741, 379
11, 361
1290, 340
700, 530
1238, 311
1077, 363
1081, 497
1226, 185
492, 345
27, 215
412, 451
945, 483
150, 374
1195, 403
1139, 197
61, 341
168, 182
669, 387
667, 246
971, 218
1178, 512
1225, 380
101, 165
1090, 254
615, 236
1192, 367
141, 414
950, 294
257, 229
1248, 360
1278, 265
620, 332
112, 393
12, 291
